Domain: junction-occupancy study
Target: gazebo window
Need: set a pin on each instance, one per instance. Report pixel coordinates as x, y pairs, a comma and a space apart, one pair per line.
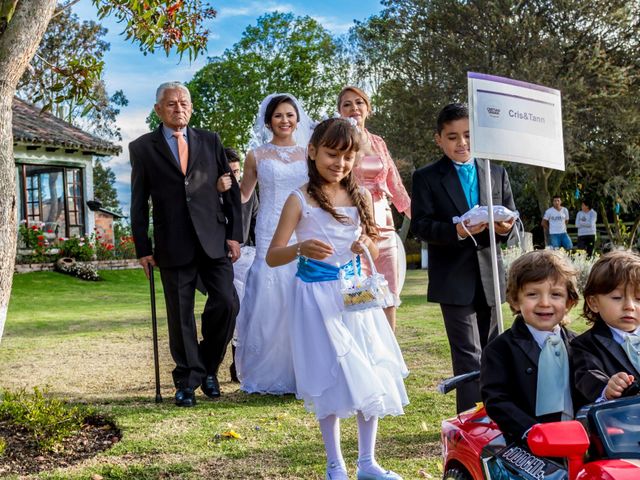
75, 201
53, 195
34, 212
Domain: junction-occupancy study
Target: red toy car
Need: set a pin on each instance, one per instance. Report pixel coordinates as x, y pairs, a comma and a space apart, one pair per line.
602, 443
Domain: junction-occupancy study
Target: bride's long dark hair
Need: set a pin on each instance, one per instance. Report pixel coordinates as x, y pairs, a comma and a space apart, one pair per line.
338, 134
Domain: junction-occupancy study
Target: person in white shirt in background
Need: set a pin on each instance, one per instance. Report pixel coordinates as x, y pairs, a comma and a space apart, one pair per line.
555, 221
586, 223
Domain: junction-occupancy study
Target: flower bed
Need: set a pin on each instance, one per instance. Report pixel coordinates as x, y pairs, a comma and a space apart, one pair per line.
37, 245
99, 264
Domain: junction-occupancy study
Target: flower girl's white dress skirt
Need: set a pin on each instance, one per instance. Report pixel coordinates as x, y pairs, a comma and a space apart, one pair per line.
344, 362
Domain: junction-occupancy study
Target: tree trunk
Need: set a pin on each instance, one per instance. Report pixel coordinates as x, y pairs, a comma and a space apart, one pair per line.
543, 196
634, 229
18, 43
541, 176
618, 231
605, 221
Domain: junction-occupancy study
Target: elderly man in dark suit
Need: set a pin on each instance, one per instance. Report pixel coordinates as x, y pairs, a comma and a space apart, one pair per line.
460, 277
194, 235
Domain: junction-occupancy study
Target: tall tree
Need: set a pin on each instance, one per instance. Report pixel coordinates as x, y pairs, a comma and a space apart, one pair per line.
68, 42
419, 51
104, 180
281, 53
153, 24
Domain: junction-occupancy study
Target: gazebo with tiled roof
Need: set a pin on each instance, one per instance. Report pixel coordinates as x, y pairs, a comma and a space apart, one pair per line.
54, 170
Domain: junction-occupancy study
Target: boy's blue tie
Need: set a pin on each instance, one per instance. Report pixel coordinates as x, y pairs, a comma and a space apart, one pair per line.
468, 180
467, 170
631, 347
553, 393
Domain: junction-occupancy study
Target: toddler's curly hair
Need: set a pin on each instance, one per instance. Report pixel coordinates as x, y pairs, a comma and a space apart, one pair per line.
539, 265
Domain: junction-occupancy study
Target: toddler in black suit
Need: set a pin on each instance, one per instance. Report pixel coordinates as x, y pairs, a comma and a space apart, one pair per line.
524, 373
605, 358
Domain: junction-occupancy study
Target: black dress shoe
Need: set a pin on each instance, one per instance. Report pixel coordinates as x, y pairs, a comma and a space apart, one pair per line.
210, 386
233, 373
185, 397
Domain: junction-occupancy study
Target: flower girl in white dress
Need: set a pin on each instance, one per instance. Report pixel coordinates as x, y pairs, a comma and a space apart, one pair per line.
345, 363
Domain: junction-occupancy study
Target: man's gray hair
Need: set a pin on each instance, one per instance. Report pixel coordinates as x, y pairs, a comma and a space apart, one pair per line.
170, 86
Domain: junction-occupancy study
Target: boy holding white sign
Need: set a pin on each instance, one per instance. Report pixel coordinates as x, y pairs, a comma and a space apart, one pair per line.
460, 277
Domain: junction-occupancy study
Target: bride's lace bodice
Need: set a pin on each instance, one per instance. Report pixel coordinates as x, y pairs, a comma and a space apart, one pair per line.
280, 171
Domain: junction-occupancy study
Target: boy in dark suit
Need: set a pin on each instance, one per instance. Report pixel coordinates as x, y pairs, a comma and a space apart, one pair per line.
606, 357
524, 374
460, 277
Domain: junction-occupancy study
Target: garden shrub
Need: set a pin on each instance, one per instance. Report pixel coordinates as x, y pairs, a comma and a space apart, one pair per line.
33, 237
46, 420
125, 248
579, 258
77, 247
43, 248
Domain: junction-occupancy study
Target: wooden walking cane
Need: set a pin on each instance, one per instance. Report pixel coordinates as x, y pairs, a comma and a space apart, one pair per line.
154, 325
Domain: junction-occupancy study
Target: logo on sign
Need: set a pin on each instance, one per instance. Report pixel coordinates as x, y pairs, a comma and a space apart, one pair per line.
493, 112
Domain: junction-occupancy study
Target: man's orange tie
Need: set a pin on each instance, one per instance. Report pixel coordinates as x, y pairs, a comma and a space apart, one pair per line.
183, 151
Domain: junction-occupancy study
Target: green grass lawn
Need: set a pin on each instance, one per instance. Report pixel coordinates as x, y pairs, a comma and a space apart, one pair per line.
91, 343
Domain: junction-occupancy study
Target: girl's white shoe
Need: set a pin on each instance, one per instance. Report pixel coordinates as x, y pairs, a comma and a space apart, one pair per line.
388, 475
336, 471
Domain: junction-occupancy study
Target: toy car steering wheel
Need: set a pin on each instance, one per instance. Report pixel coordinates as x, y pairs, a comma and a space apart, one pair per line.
631, 390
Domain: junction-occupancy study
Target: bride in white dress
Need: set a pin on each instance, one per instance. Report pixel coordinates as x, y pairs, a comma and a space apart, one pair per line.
278, 165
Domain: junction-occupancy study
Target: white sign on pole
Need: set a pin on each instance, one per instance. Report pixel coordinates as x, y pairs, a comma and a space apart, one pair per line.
515, 121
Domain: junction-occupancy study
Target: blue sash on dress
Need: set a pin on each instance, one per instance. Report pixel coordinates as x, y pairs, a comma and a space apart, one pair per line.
310, 270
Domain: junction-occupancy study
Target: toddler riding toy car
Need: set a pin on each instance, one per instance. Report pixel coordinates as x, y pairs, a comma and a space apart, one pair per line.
602, 443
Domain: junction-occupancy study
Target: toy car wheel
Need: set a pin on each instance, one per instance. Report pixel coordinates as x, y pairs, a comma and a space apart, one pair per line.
455, 474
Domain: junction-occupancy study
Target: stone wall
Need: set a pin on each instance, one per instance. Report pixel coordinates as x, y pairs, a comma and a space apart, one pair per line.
100, 265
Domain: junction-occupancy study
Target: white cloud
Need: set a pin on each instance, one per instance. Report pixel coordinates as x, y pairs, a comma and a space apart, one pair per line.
132, 124
331, 24
254, 8
226, 12
336, 25
124, 196
139, 85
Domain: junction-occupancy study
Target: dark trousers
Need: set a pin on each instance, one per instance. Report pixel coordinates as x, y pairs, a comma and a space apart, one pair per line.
586, 242
194, 360
469, 329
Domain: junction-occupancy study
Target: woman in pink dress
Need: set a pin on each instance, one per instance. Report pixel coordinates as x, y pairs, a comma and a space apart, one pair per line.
376, 171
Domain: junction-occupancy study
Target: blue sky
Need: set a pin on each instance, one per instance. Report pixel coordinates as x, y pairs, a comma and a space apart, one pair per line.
127, 69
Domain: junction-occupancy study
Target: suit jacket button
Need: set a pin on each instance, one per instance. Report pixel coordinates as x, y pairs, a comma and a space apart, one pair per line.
529, 371
186, 182
188, 199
